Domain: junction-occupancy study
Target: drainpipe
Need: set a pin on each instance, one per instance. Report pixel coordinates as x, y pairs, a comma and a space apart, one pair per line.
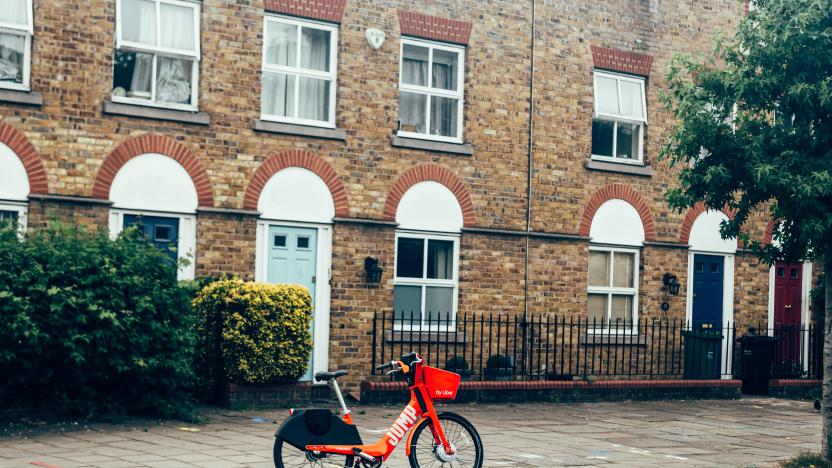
530, 168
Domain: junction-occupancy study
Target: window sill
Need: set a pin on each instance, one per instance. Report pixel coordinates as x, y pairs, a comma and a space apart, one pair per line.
27, 98
464, 149
171, 115
415, 336
300, 130
603, 339
622, 168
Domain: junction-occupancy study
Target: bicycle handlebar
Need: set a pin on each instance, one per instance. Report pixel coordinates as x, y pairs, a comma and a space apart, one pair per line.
409, 357
386, 366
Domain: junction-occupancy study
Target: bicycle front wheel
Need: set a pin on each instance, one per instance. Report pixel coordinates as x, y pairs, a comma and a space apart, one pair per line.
464, 439
287, 456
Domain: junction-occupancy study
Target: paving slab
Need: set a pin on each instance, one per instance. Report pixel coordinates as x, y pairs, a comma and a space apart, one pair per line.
749, 432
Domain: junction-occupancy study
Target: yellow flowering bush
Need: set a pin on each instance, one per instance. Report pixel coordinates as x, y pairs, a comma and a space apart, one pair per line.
260, 332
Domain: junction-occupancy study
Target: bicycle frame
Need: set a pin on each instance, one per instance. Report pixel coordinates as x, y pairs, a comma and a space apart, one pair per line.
419, 408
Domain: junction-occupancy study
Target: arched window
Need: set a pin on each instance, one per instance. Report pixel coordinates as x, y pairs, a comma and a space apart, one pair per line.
705, 237
296, 194
426, 277
14, 188
156, 194
616, 236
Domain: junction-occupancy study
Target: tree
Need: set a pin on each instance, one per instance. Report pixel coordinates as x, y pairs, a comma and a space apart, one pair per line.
754, 133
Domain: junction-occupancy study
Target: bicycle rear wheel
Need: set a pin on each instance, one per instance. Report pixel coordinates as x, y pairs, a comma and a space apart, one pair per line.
287, 456
461, 434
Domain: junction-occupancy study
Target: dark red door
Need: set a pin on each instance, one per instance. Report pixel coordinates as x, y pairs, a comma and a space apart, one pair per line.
788, 292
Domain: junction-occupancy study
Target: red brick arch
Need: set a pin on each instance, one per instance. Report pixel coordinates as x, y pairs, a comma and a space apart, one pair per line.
430, 173
690, 218
30, 158
621, 192
297, 158
153, 143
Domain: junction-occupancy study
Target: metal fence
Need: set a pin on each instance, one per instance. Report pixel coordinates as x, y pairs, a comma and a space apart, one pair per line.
551, 347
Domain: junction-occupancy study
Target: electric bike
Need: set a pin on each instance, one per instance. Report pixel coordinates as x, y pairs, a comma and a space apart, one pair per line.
319, 438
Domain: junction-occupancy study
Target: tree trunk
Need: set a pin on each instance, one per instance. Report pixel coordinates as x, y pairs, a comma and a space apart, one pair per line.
827, 358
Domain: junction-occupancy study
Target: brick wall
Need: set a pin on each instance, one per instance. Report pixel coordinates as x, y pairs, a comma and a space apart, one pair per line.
72, 68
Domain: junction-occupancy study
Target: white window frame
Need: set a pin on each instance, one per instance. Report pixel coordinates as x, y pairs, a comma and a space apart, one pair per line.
22, 210
166, 52
617, 118
185, 244
430, 91
425, 282
612, 290
298, 72
27, 32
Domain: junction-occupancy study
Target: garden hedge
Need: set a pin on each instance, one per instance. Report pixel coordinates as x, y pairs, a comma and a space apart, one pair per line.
92, 325
259, 332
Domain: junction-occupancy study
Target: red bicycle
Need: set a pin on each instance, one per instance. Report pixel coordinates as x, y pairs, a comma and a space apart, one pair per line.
319, 438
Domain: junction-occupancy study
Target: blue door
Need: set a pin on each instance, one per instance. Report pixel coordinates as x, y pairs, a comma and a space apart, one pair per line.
293, 259
708, 285
161, 231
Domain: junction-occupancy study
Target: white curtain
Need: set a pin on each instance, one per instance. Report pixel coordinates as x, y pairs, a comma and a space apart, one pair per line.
173, 80
173, 76
139, 25
313, 101
138, 22
442, 115
412, 106
278, 93
177, 29
11, 57
14, 12
415, 65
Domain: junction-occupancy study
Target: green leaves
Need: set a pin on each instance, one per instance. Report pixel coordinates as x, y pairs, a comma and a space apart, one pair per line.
258, 332
774, 148
92, 325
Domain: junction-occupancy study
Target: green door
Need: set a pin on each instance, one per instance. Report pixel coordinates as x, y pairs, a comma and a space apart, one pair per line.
293, 259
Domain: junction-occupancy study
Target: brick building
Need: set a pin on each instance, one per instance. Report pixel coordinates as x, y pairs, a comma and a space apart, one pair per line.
289, 140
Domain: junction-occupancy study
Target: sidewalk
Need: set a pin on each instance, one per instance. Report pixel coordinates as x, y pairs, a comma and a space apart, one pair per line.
749, 432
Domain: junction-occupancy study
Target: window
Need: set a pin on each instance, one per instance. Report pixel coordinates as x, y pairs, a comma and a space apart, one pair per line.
13, 214
299, 64
425, 282
156, 60
15, 43
280, 241
619, 118
430, 85
613, 288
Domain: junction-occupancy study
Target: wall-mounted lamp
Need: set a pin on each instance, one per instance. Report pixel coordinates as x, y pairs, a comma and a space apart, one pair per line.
373, 270
670, 287
671, 282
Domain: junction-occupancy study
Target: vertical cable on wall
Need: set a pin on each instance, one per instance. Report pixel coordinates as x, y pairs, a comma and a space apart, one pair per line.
530, 168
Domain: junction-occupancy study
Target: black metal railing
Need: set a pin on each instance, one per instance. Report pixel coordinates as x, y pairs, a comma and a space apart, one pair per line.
551, 347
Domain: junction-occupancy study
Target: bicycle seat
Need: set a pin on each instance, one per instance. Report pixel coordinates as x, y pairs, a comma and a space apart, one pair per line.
327, 376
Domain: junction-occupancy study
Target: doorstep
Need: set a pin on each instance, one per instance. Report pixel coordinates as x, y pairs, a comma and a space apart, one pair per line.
565, 391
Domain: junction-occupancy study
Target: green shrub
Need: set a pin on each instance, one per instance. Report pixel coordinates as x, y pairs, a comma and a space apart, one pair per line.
456, 362
806, 460
92, 326
498, 361
259, 332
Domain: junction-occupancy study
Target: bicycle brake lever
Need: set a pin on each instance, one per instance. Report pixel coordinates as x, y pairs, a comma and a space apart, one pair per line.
392, 371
